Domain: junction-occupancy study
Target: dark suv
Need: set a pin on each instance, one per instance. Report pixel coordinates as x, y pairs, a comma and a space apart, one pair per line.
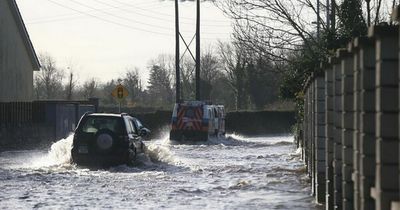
107, 139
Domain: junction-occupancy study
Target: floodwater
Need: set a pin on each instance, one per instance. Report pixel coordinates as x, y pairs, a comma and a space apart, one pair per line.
231, 173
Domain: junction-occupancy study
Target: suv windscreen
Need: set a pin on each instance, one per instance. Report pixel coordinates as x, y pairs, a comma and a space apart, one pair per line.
139, 124
92, 124
131, 128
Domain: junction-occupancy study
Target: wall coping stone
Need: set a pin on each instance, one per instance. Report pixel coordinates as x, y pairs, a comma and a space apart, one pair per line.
383, 30
359, 42
343, 53
396, 13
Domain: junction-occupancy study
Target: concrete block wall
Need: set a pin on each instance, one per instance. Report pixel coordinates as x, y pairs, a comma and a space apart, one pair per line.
353, 48
347, 118
306, 131
337, 138
307, 125
387, 108
351, 125
319, 138
367, 122
329, 126
311, 161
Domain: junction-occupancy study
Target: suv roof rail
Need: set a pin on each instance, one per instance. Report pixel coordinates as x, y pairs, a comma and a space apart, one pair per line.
123, 113
88, 112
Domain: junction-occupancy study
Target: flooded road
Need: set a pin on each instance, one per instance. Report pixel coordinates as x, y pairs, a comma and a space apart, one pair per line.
232, 173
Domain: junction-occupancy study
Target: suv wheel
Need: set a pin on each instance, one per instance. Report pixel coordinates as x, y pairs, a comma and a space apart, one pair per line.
104, 140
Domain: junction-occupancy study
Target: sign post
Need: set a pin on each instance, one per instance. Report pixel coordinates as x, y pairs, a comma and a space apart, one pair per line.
120, 92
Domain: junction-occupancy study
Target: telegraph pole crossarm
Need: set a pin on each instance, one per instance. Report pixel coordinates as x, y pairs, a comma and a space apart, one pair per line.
196, 58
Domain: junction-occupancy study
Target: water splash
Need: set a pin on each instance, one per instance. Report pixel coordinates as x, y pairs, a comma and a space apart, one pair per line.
59, 155
227, 140
160, 153
60, 152
282, 143
236, 137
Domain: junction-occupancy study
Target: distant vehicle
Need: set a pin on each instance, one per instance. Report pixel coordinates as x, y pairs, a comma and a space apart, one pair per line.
103, 140
197, 120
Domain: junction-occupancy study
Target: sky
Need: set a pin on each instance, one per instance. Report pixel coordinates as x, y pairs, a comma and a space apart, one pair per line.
102, 38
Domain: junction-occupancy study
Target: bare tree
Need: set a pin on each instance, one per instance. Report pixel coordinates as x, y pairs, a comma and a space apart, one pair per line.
275, 27
210, 71
187, 78
377, 11
89, 88
233, 59
270, 28
48, 81
210, 65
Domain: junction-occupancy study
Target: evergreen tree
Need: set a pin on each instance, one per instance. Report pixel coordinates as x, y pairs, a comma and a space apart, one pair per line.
263, 83
133, 84
351, 21
160, 88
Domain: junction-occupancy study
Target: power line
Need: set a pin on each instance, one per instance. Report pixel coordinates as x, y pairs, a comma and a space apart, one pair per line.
110, 14
64, 16
91, 10
154, 17
120, 17
109, 21
152, 25
168, 15
55, 20
117, 23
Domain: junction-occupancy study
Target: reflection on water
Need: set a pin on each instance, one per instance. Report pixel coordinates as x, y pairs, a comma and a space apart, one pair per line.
235, 172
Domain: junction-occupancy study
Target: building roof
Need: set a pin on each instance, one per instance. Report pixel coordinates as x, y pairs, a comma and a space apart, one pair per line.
24, 34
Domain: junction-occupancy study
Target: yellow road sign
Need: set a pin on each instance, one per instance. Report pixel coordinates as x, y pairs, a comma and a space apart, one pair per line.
120, 92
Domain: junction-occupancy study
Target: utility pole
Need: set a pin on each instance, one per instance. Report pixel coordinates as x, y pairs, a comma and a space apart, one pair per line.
333, 16
198, 52
368, 13
196, 58
327, 14
318, 20
177, 55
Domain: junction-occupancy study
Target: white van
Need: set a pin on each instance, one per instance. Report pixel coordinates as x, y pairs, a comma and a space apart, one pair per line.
197, 120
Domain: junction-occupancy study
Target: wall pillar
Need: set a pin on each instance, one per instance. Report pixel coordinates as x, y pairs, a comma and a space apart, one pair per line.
396, 17
312, 134
337, 139
367, 122
319, 172
329, 135
355, 49
347, 118
305, 127
386, 187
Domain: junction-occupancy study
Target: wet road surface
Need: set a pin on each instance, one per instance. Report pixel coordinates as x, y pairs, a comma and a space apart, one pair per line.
231, 173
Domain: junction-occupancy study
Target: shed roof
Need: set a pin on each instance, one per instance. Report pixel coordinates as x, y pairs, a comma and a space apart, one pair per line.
24, 34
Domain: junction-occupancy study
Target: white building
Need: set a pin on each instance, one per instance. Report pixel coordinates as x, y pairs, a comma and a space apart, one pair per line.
18, 59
